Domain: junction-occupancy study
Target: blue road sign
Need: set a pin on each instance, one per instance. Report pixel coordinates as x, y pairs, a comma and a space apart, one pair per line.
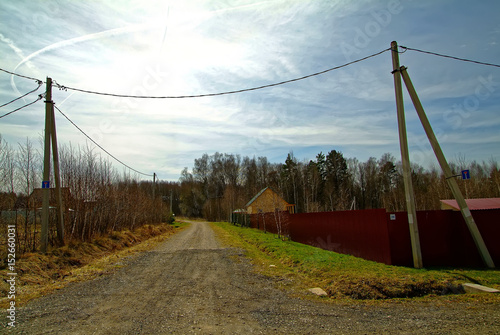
465, 174
46, 184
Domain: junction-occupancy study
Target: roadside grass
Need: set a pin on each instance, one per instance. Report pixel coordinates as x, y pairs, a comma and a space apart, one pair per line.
39, 274
346, 277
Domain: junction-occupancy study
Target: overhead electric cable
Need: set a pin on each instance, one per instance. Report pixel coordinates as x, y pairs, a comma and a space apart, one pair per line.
20, 75
119, 161
22, 96
62, 87
18, 109
221, 93
448, 56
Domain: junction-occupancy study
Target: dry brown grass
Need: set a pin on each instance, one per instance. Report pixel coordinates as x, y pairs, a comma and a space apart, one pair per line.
40, 274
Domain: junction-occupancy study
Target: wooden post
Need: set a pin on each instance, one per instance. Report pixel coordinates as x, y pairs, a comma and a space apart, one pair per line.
171, 199
154, 185
450, 178
405, 159
44, 238
60, 203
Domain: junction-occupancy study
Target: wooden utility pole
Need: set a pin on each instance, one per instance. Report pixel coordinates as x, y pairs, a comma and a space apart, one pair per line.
44, 238
450, 178
171, 198
154, 185
59, 198
405, 159
50, 136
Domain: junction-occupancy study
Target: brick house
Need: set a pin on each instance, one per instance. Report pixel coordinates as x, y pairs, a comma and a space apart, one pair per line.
267, 201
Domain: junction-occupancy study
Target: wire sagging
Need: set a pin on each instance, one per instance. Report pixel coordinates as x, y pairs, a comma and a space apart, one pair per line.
62, 87
22, 96
18, 109
19, 75
222, 93
97, 144
447, 56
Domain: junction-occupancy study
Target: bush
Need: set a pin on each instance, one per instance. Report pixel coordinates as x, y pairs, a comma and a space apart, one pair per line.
169, 218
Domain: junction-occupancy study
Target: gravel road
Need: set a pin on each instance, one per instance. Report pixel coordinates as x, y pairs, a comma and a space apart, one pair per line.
192, 285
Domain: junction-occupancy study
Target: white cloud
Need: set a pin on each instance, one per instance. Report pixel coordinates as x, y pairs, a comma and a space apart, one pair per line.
197, 47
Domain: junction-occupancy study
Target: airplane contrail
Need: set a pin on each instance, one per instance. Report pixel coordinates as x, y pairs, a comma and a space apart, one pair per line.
240, 7
166, 28
12, 45
18, 52
81, 39
107, 33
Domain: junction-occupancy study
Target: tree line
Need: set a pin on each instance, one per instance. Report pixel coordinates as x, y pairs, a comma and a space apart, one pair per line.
99, 199
103, 199
221, 183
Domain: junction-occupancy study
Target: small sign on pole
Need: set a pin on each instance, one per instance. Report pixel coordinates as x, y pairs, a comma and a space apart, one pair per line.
46, 184
465, 174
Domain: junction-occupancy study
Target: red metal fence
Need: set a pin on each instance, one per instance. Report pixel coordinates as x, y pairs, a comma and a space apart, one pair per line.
359, 233
384, 237
445, 239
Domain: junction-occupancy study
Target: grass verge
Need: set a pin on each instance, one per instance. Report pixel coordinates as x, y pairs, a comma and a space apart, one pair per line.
40, 274
346, 277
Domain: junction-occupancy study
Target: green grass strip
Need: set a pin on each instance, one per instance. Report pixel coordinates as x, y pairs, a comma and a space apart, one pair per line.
345, 276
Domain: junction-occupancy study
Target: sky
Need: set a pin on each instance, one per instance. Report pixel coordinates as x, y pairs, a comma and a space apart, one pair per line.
195, 47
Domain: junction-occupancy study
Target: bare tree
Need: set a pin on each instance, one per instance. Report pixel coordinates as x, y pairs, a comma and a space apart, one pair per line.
28, 168
7, 167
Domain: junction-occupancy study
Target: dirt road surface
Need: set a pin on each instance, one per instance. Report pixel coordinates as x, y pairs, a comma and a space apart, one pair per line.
193, 285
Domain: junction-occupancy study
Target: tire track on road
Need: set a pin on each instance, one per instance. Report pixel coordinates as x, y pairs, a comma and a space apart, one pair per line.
190, 284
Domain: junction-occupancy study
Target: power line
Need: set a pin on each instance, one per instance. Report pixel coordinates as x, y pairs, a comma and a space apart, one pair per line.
22, 96
119, 161
62, 87
221, 93
448, 56
19, 75
18, 109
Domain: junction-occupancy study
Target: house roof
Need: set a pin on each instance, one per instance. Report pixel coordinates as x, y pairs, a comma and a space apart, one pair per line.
476, 204
256, 196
